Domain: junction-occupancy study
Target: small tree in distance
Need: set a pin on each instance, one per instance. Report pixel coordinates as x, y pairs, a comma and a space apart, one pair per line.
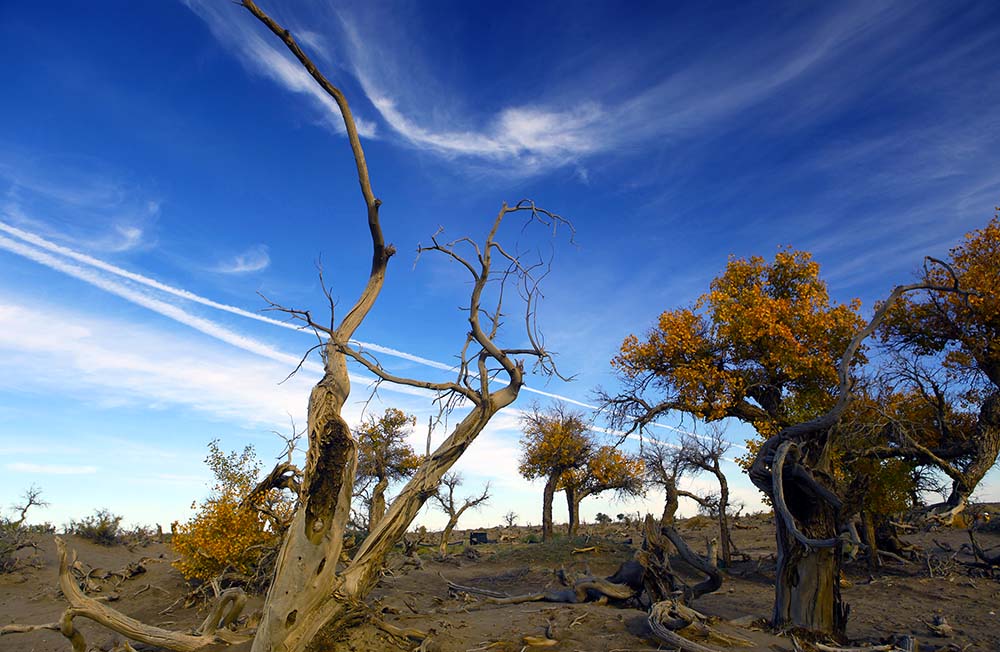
447, 502
14, 534
383, 457
510, 518
555, 441
606, 469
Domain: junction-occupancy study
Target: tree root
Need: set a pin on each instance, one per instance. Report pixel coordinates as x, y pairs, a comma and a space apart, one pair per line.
585, 589
472, 589
410, 634
668, 617
980, 554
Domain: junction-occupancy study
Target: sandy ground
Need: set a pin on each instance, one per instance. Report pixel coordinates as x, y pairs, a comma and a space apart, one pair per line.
900, 599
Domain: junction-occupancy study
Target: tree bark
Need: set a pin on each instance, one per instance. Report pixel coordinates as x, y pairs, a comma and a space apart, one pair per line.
807, 587
305, 571
725, 539
868, 527
807, 591
445, 535
377, 508
987, 448
548, 493
573, 507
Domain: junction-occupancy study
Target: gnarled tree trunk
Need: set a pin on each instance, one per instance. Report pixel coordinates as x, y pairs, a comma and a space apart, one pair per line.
806, 588
376, 509
986, 448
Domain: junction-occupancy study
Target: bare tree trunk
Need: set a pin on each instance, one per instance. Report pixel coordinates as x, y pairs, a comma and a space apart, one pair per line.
445, 535
573, 507
984, 457
807, 591
305, 571
670, 505
376, 510
725, 540
868, 527
548, 493
299, 608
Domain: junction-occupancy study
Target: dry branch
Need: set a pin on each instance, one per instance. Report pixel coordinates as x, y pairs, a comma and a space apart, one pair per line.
86, 607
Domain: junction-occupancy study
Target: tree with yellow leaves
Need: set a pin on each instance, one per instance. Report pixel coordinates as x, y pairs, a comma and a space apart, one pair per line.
949, 368
227, 534
761, 346
383, 457
555, 441
606, 469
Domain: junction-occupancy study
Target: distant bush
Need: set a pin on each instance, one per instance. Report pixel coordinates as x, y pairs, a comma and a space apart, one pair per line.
103, 528
602, 518
532, 538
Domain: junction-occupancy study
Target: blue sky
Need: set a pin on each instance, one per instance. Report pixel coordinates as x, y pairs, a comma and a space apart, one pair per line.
161, 163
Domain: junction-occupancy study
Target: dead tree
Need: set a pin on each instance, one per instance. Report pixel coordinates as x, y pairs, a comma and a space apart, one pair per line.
705, 454
311, 594
13, 535
445, 498
794, 470
664, 467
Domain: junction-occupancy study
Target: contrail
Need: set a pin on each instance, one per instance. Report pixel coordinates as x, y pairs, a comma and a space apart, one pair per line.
47, 245
175, 313
206, 326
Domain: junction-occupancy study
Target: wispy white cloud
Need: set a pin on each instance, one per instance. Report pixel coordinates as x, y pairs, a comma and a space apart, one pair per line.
50, 469
267, 57
575, 121
108, 215
253, 259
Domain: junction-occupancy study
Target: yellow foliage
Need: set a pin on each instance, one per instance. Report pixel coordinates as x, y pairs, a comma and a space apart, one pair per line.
553, 441
382, 449
220, 536
966, 328
223, 534
761, 346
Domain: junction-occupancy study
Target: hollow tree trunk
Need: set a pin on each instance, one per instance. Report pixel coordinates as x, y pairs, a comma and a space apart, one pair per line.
548, 493
807, 587
377, 508
308, 596
305, 571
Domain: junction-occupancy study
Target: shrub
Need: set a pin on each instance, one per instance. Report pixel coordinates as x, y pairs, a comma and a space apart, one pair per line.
103, 527
225, 535
602, 518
